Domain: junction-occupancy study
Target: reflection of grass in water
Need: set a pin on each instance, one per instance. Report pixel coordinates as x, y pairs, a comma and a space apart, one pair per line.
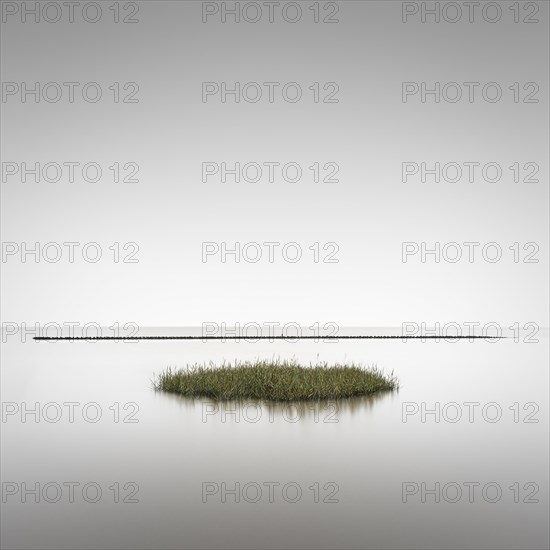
253, 410
274, 380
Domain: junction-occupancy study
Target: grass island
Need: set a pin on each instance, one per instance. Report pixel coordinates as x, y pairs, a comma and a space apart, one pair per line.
274, 380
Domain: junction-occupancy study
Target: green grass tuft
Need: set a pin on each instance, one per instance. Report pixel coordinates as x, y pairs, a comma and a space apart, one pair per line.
274, 380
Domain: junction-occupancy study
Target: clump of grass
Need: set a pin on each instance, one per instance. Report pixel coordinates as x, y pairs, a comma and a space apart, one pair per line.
274, 380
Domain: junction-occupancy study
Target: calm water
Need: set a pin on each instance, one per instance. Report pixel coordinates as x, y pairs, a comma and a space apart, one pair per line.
323, 476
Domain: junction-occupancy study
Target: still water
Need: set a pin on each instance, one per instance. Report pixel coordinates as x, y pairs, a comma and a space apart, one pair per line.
93, 457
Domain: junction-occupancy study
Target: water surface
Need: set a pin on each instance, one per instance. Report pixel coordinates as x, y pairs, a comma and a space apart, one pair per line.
180, 458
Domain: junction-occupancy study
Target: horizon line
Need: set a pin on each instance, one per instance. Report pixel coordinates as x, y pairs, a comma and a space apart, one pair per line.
280, 337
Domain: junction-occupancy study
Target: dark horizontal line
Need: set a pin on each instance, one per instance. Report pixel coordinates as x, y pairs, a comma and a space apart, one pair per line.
187, 1
364, 337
